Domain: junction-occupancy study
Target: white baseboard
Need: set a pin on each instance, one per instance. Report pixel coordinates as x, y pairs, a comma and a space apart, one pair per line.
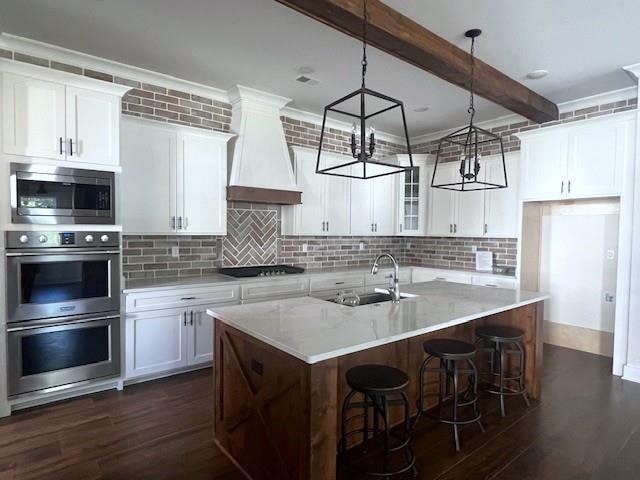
631, 373
578, 338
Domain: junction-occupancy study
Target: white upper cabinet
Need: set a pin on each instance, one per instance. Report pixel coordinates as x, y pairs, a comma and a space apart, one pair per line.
501, 205
325, 198
441, 203
383, 200
202, 194
61, 121
93, 123
468, 220
411, 187
173, 179
578, 160
33, 117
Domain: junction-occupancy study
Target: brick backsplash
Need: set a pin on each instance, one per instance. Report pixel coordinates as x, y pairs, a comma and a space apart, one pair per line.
149, 256
450, 252
326, 252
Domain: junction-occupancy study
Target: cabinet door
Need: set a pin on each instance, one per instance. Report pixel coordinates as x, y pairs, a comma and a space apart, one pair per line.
148, 180
441, 203
337, 201
596, 159
93, 128
202, 199
361, 207
156, 342
33, 117
501, 205
310, 215
384, 204
412, 193
544, 165
469, 216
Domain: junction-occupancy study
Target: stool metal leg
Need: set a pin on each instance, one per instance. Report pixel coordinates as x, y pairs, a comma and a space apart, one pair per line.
476, 409
501, 379
522, 366
456, 435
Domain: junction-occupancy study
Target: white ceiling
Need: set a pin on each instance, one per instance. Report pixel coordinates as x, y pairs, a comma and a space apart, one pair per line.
260, 43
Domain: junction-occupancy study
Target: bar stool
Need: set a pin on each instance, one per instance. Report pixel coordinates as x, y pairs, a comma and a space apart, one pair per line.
504, 341
381, 387
453, 354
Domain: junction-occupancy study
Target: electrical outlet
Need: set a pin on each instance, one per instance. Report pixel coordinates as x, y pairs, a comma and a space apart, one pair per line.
361, 245
474, 249
409, 246
305, 247
609, 298
611, 254
175, 253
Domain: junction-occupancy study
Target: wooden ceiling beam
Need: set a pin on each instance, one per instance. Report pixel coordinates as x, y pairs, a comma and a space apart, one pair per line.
398, 35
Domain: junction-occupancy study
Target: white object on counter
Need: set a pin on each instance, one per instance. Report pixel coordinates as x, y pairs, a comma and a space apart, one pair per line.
484, 261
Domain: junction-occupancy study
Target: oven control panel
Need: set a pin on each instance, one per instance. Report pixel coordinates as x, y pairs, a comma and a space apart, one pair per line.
31, 240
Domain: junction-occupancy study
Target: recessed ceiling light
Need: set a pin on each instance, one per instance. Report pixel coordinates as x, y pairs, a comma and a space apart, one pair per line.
421, 109
306, 70
536, 74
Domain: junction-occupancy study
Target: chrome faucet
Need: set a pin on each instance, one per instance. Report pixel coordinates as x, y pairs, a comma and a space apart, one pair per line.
395, 290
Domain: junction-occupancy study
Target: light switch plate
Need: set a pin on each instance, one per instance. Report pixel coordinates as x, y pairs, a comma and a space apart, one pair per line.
175, 253
611, 254
361, 246
305, 247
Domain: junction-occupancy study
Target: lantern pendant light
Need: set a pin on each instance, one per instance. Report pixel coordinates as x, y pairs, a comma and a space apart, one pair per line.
363, 141
469, 143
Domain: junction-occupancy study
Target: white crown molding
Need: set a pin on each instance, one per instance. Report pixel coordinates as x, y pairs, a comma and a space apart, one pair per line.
316, 119
72, 57
570, 106
633, 70
242, 94
71, 79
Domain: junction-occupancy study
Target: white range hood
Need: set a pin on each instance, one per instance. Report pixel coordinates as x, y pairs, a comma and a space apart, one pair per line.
261, 169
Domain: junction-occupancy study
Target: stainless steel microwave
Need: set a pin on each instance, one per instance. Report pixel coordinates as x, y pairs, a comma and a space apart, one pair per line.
50, 195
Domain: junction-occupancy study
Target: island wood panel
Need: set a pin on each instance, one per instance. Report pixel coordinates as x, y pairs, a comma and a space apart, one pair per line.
274, 415
279, 417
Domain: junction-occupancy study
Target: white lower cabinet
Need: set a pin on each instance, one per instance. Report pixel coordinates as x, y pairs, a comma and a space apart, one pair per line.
163, 340
423, 274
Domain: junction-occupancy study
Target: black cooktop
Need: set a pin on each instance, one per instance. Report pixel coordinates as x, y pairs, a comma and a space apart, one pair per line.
260, 271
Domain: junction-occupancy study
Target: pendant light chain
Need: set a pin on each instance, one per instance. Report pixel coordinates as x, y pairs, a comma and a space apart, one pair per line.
471, 108
364, 43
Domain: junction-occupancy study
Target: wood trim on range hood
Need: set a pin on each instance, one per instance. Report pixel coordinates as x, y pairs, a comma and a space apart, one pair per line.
238, 193
400, 36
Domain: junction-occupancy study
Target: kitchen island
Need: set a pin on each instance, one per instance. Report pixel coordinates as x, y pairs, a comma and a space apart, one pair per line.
279, 366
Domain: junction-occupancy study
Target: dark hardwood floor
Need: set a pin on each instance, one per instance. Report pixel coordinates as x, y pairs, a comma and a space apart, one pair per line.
587, 426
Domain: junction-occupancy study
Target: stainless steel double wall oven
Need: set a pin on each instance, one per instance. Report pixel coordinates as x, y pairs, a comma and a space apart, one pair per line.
63, 306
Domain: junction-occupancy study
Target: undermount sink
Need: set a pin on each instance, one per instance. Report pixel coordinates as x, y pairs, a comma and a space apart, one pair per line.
368, 298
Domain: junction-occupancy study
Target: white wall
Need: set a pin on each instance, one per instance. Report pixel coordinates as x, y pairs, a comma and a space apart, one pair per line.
578, 257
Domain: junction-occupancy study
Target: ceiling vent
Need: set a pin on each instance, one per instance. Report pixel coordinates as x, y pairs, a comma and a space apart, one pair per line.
307, 80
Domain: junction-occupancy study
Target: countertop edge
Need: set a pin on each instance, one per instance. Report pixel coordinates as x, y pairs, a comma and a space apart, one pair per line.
375, 343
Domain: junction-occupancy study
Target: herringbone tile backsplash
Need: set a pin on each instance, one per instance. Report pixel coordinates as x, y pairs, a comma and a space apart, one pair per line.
252, 235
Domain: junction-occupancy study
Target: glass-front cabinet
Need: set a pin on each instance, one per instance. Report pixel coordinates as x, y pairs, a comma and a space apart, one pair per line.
412, 196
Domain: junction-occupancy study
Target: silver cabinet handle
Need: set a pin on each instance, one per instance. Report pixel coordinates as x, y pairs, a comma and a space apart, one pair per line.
451, 228
70, 147
180, 223
485, 229
569, 187
184, 322
327, 225
376, 227
372, 227
184, 299
173, 223
455, 228
61, 152
323, 223
191, 318
400, 228
562, 187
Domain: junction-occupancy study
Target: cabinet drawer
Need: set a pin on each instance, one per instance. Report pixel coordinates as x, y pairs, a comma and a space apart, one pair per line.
336, 282
488, 281
275, 288
180, 298
431, 274
385, 275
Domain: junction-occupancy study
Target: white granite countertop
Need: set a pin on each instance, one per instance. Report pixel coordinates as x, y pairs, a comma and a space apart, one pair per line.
314, 330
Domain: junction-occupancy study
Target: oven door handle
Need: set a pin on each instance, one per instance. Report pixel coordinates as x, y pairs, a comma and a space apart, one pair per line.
58, 323
61, 252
